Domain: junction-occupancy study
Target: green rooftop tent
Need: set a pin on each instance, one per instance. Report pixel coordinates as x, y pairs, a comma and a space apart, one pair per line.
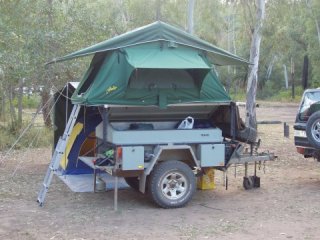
157, 64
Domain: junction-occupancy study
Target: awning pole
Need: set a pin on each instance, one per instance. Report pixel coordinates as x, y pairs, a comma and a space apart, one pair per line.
115, 201
105, 119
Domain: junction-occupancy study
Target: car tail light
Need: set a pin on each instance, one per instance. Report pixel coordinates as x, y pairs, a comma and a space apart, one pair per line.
119, 152
300, 150
305, 117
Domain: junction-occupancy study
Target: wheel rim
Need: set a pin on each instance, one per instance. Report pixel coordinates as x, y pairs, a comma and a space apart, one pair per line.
315, 131
174, 185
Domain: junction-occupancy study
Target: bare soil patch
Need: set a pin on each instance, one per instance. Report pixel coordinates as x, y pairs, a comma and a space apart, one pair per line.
285, 207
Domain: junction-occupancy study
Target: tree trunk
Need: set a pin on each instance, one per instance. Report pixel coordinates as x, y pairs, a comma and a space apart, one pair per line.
158, 10
314, 18
46, 107
3, 97
124, 16
292, 79
285, 72
50, 12
270, 67
3, 106
251, 119
20, 96
190, 16
13, 114
45, 96
318, 30
305, 71
231, 40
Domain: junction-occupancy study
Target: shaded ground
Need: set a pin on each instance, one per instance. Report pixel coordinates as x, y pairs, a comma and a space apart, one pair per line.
285, 207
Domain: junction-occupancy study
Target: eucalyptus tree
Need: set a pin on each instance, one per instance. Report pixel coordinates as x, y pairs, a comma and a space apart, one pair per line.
190, 23
312, 22
14, 60
255, 13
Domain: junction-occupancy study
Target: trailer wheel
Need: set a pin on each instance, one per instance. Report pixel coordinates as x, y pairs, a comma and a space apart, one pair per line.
172, 184
133, 182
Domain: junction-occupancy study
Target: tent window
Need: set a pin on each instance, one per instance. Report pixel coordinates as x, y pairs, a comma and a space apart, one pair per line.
162, 79
93, 71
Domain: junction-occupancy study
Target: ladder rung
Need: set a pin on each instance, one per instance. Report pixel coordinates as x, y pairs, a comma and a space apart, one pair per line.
59, 152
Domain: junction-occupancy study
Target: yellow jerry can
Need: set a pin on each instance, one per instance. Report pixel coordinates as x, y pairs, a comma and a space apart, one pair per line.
206, 181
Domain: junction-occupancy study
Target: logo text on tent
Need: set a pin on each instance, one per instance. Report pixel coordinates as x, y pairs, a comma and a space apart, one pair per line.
111, 89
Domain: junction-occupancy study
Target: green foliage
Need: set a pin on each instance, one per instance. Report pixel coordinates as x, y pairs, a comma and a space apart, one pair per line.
268, 93
6, 140
34, 137
284, 95
239, 96
268, 90
32, 101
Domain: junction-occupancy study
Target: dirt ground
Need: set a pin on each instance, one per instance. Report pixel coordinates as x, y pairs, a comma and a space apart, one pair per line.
287, 206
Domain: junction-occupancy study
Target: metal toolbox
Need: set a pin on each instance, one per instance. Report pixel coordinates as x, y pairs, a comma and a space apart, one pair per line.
211, 155
132, 158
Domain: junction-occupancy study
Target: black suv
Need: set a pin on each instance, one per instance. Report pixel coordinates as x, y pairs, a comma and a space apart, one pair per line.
307, 125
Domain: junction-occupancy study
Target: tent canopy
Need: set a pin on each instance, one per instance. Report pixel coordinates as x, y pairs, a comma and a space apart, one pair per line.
155, 32
150, 74
154, 65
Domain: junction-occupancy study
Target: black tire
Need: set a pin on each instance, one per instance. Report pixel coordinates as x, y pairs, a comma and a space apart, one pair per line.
247, 135
172, 184
133, 182
316, 155
313, 130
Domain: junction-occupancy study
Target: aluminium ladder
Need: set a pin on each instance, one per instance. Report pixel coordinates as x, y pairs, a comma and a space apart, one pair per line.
58, 153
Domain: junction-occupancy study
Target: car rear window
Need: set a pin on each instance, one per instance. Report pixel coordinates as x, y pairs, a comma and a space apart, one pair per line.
308, 99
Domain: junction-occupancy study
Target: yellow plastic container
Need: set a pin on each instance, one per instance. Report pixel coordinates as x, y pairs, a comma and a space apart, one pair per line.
206, 182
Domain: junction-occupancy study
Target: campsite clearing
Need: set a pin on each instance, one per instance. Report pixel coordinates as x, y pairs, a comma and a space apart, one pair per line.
285, 207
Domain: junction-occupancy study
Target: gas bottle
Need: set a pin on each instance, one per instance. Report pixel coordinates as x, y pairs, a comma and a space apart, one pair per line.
100, 185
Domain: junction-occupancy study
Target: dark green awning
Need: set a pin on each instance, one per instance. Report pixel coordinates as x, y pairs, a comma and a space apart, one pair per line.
155, 32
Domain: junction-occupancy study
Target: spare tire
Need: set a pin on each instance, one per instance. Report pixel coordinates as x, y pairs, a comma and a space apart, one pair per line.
248, 135
313, 129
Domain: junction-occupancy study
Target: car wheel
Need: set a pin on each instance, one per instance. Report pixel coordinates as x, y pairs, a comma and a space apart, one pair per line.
313, 129
172, 184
